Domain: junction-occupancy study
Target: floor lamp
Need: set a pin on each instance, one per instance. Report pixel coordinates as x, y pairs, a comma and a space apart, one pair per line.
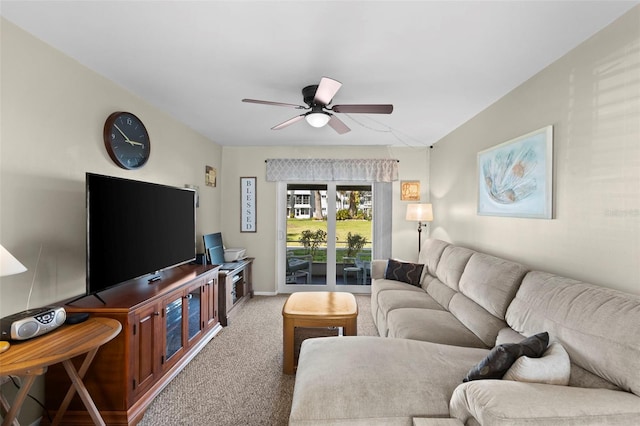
420, 213
9, 265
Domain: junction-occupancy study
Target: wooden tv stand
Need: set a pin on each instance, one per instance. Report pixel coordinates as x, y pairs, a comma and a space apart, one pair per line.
165, 323
235, 287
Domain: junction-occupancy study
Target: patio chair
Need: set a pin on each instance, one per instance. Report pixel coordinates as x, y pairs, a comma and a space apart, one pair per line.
363, 261
298, 266
351, 267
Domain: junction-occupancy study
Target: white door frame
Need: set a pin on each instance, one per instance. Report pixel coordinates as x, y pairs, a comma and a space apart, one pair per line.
281, 245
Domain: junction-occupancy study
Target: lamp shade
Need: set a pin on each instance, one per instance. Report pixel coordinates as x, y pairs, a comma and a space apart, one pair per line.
9, 265
317, 119
419, 212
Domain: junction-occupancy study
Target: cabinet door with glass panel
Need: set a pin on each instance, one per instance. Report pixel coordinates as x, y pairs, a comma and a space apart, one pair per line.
174, 336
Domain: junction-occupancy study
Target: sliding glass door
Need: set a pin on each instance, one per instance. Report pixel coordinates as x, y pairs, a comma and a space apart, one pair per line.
306, 235
325, 237
354, 217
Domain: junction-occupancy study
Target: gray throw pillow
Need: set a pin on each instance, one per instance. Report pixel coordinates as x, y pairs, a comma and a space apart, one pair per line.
500, 359
406, 272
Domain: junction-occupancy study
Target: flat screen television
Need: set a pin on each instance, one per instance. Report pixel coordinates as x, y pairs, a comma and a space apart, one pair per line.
136, 229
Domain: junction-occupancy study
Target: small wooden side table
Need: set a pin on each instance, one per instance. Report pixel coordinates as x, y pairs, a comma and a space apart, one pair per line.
316, 309
30, 359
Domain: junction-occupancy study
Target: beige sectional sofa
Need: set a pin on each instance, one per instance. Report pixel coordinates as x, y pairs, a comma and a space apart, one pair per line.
432, 335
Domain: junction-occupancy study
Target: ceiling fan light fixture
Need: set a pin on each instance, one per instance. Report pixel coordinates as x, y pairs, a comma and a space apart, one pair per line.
317, 119
318, 97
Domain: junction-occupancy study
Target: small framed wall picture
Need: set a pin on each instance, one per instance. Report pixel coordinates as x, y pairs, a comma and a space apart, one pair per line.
410, 190
248, 194
210, 176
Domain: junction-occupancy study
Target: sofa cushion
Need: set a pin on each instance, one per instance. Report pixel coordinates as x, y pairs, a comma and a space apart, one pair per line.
553, 367
586, 379
476, 318
440, 292
502, 357
380, 314
452, 264
597, 326
430, 254
374, 380
509, 403
430, 325
394, 299
378, 266
491, 282
380, 285
405, 272
508, 335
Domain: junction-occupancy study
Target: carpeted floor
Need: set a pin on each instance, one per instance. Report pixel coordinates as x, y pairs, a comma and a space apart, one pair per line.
237, 378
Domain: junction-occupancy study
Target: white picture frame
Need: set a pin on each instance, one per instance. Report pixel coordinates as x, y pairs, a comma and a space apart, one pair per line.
248, 195
515, 178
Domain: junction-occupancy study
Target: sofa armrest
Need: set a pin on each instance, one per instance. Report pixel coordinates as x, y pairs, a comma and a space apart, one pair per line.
510, 403
378, 266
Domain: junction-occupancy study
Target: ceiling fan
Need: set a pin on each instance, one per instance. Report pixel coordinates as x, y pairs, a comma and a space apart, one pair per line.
318, 97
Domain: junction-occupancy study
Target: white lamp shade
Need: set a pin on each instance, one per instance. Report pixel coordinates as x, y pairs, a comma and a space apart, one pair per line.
419, 212
317, 119
9, 265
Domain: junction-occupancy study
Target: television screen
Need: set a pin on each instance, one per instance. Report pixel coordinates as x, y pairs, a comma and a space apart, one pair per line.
136, 228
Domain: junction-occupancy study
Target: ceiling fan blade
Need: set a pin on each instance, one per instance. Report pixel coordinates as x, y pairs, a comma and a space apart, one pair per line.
287, 123
327, 89
363, 109
338, 125
256, 101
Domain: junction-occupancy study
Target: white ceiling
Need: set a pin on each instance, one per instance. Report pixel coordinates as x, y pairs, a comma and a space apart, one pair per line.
438, 62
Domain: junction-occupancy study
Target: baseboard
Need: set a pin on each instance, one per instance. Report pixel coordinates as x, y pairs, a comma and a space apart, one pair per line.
265, 293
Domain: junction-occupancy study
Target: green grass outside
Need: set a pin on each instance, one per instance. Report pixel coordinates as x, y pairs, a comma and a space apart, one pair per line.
296, 226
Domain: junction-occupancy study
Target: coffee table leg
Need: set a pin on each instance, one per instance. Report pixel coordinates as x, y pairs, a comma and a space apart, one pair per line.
288, 328
351, 327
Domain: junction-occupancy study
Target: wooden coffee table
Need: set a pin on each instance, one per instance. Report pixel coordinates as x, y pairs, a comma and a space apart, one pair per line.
316, 309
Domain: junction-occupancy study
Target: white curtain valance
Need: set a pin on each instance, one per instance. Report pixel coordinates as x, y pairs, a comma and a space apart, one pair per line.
318, 169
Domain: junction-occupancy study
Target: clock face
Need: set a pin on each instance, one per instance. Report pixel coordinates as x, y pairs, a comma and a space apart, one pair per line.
126, 140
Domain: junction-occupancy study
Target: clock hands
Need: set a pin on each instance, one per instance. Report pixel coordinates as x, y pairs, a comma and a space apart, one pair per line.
126, 139
121, 132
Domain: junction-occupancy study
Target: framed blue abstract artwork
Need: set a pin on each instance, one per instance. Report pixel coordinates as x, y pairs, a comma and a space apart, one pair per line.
515, 178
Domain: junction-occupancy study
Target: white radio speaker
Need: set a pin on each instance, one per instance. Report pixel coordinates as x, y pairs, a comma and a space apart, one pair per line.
31, 323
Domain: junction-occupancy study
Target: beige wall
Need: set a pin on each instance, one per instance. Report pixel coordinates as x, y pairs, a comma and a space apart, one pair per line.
262, 244
592, 98
53, 112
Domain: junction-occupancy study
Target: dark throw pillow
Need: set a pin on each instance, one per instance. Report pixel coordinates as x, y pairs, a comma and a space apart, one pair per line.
406, 272
500, 359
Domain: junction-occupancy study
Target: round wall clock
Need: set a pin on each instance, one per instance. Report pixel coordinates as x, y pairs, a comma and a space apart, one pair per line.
126, 140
